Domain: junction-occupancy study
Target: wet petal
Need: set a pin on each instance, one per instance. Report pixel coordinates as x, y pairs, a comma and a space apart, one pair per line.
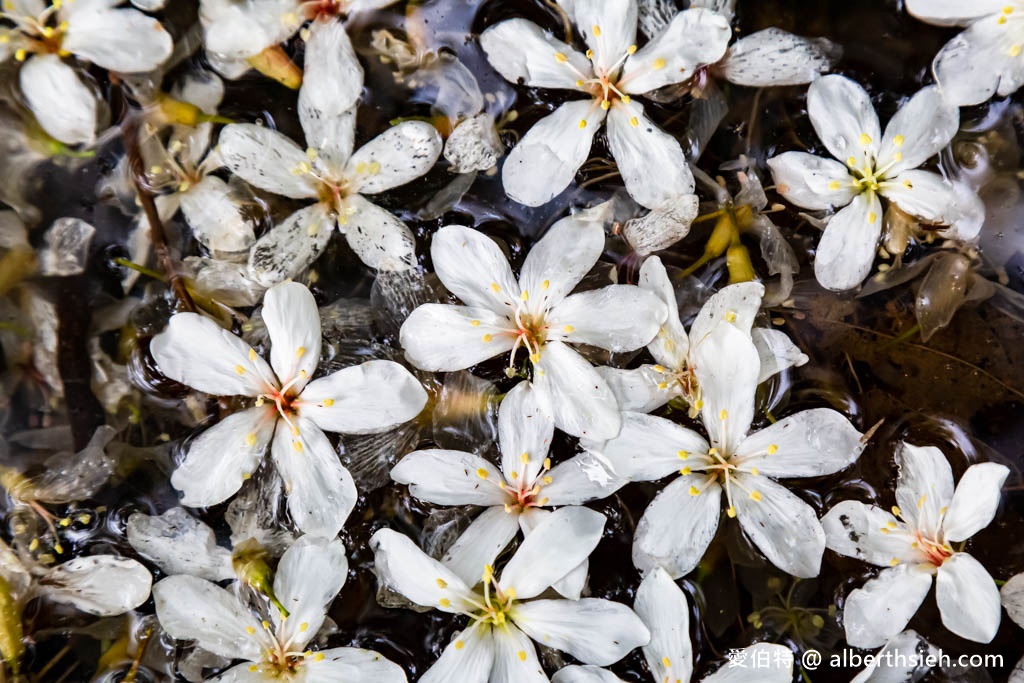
925, 195
678, 525
616, 317
888, 667
524, 53
61, 103
727, 366
178, 543
308, 578
649, 448
118, 39
736, 304
525, 431
810, 443
293, 324
560, 259
403, 567
474, 145
846, 251
332, 81
774, 57
216, 217
575, 395
608, 27
975, 501
593, 631
951, 12
288, 249
924, 487
919, 130
397, 156
450, 478
377, 236
472, 266
650, 161
811, 182
351, 665
469, 658
942, 292
640, 390
885, 604
844, 118
104, 585
515, 658
443, 338
321, 493
781, 525
267, 159
481, 542
868, 533
671, 344
777, 352
363, 399
979, 63
968, 599
695, 37
664, 610
546, 159
579, 480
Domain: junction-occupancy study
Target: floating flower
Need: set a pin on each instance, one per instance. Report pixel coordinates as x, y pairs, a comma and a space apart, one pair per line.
290, 414
536, 313
613, 70
649, 387
914, 543
680, 522
328, 170
504, 614
873, 166
276, 647
44, 35
516, 495
985, 59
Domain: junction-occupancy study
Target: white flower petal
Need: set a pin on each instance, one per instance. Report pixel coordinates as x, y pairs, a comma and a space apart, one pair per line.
481, 542
178, 543
525, 430
811, 182
671, 344
104, 585
293, 324
221, 458
846, 251
474, 145
924, 486
810, 443
1012, 596
951, 12
351, 665
922, 128
777, 352
925, 195
774, 57
885, 604
470, 265
608, 27
581, 479
190, 608
577, 398
122, 40
443, 338
379, 238
677, 526
330, 136
888, 667
864, 531
968, 599
524, 53
649, 447
562, 257
664, 610
403, 567
975, 500
289, 248
469, 658
593, 631
397, 156
363, 399
63, 105
267, 159
615, 317
321, 493
639, 390
515, 658
727, 366
571, 585
546, 159
574, 673
650, 161
216, 217
240, 30
332, 81
736, 304
308, 578
695, 37
979, 63
574, 530
201, 354
781, 525
774, 664
843, 117
661, 228
450, 478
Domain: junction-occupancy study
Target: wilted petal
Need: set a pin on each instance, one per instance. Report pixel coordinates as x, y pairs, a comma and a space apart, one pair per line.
104, 585
846, 251
650, 161
885, 604
662, 227
61, 103
377, 236
474, 145
968, 599
267, 159
524, 53
288, 249
400, 154
664, 610
443, 338
942, 292
774, 57
695, 37
678, 526
810, 443
575, 395
593, 631
178, 543
216, 217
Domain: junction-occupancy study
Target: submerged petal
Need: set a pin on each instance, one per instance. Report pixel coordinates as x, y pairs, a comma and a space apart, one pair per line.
773, 57
104, 585
288, 249
397, 156
63, 105
379, 238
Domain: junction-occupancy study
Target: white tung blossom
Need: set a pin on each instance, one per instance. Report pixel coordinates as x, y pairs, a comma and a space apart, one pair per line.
501, 315
650, 161
649, 387
986, 58
45, 35
504, 612
275, 647
680, 522
290, 413
516, 495
871, 165
328, 170
914, 542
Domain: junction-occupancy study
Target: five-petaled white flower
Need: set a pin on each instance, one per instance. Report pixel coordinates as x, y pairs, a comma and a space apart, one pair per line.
309, 576
873, 165
502, 315
290, 413
914, 543
515, 496
328, 170
649, 387
680, 522
664, 609
504, 616
650, 161
984, 60
44, 35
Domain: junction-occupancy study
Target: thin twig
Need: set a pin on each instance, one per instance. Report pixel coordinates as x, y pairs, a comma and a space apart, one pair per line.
566, 24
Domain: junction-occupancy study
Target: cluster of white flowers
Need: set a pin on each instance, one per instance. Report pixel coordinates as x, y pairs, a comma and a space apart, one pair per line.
605, 377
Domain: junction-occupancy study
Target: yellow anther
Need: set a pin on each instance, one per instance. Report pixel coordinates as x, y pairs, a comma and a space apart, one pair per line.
590, 54
884, 529
596, 30
239, 369
1015, 51
254, 668
754, 471
486, 338
864, 139
250, 440
834, 185
459, 645
773, 449
756, 496
1001, 20
896, 511
65, 522
568, 329
544, 285
59, 548
666, 663
898, 140
712, 451
852, 161
482, 473
524, 295
47, 31
547, 480
583, 123
34, 545
1008, 9
266, 624
663, 385
606, 105
20, 55
474, 323
730, 316
723, 414
658, 63
631, 50
488, 573
694, 491
311, 154
685, 471
547, 463
515, 475
731, 512
361, 167
303, 627
522, 653
252, 354
894, 561
579, 83
872, 216
444, 602
682, 455
534, 358
898, 156
942, 510
328, 402
373, 168
250, 630
634, 122
295, 431
303, 374
300, 352
561, 58
626, 99
319, 657
891, 524
524, 458
921, 500
297, 446
495, 287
